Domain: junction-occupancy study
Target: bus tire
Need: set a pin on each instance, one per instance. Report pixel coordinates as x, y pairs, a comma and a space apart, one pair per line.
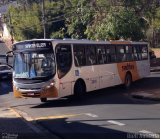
43, 99
128, 80
79, 88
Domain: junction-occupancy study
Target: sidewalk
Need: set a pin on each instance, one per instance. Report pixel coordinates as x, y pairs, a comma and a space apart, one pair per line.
155, 65
13, 126
149, 95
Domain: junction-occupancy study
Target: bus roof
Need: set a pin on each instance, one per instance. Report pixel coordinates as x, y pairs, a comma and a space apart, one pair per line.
84, 41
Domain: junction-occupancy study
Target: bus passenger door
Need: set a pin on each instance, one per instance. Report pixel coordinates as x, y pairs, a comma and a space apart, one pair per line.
64, 64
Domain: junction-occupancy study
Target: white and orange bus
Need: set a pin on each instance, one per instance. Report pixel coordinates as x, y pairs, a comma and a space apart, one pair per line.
49, 68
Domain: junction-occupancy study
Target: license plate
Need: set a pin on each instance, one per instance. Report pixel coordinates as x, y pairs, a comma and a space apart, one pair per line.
30, 94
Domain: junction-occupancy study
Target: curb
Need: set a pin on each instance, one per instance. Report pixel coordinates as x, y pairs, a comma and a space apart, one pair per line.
34, 128
145, 97
154, 70
34, 125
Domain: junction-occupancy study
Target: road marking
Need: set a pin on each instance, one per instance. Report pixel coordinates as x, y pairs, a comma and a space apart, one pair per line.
91, 115
57, 116
149, 134
65, 116
145, 131
116, 123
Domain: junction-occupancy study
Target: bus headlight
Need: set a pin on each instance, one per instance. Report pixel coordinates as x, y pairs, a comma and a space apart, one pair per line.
52, 84
17, 88
48, 87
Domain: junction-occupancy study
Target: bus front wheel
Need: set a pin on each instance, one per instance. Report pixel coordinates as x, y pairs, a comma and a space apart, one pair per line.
128, 81
43, 99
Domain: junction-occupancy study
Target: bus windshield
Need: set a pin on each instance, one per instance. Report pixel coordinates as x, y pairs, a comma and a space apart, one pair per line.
31, 65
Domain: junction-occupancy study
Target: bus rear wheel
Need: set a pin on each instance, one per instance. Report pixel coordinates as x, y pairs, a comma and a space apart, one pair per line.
43, 99
128, 81
79, 89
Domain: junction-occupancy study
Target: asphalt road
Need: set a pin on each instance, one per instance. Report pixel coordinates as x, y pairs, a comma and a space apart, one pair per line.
108, 113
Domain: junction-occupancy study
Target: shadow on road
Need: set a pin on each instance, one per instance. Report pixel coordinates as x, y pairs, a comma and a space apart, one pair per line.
16, 128
113, 95
62, 128
147, 83
78, 130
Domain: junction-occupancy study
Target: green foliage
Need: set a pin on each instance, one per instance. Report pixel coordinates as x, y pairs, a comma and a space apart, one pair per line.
27, 19
53, 16
156, 22
128, 26
79, 17
58, 35
92, 19
26, 23
117, 25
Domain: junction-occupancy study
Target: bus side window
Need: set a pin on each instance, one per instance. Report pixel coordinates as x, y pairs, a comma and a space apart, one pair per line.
139, 52
91, 55
101, 55
129, 52
79, 55
64, 59
110, 54
121, 55
144, 51
135, 52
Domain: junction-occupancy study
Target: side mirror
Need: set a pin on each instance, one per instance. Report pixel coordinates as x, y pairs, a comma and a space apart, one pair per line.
9, 58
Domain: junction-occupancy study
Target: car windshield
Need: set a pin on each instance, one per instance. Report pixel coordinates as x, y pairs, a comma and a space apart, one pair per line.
4, 68
34, 65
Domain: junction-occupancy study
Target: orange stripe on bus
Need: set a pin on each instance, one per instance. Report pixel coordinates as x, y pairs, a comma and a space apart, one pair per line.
120, 42
128, 66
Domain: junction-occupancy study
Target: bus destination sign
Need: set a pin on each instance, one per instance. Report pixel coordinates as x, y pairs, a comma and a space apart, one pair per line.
35, 45
32, 45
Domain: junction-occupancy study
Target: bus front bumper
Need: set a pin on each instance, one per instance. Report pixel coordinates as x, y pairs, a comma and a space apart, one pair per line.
51, 92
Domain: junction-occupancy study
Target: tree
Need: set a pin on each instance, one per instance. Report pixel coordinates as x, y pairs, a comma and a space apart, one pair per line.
27, 21
92, 19
79, 15
116, 23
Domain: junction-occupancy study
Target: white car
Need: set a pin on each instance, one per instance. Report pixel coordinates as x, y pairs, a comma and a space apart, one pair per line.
5, 72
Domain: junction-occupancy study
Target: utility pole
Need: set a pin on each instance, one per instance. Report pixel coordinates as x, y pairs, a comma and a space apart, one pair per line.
43, 19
